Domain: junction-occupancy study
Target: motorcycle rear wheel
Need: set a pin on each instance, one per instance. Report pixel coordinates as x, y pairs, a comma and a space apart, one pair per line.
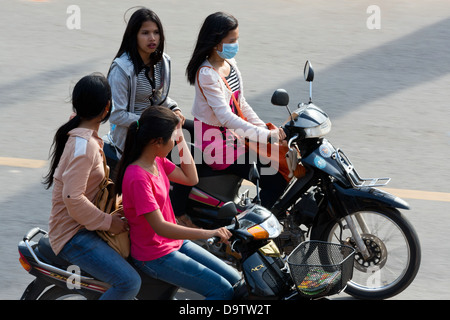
58, 293
394, 250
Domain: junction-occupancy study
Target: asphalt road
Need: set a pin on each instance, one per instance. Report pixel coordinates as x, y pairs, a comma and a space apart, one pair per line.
382, 74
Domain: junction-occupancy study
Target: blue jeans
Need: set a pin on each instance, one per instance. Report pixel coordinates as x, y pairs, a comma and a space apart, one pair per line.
94, 256
195, 269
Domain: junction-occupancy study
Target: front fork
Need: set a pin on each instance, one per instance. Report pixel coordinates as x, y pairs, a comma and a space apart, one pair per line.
360, 245
356, 235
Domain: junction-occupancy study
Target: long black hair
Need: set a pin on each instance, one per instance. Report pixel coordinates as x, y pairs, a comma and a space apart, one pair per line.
129, 40
155, 123
90, 97
215, 27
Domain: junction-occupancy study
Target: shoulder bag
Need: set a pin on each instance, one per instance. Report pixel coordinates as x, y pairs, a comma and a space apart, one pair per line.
109, 202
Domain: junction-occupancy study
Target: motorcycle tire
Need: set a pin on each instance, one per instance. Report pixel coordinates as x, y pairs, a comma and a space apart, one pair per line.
394, 249
58, 293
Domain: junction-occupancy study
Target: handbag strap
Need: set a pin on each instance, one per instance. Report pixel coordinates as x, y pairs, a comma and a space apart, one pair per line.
236, 103
106, 169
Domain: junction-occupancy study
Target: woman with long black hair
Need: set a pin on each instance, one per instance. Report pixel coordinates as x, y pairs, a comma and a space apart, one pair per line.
139, 77
221, 111
159, 246
76, 171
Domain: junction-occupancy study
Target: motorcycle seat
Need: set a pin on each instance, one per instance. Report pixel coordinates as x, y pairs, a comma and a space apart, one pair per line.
46, 253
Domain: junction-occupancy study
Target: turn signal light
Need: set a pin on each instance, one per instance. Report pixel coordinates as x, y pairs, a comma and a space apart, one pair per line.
258, 233
24, 263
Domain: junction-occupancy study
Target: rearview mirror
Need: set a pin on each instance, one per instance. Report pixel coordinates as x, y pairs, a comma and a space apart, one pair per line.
308, 72
253, 176
227, 210
280, 98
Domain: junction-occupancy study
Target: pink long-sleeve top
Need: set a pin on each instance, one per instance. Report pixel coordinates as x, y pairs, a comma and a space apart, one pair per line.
76, 183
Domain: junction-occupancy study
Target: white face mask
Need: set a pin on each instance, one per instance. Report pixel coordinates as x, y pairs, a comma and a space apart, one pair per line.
229, 50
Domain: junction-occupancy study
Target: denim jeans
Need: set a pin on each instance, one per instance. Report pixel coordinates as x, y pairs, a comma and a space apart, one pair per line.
94, 256
195, 269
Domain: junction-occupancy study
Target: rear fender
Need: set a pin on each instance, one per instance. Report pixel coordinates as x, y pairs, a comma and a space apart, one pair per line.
35, 289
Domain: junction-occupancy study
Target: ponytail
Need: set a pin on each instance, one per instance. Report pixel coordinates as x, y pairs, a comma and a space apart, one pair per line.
57, 148
130, 154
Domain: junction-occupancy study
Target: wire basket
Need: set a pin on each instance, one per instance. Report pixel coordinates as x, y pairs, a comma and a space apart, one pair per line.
321, 268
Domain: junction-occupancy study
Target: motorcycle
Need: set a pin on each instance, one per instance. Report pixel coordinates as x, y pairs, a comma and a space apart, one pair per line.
57, 279
265, 273
330, 203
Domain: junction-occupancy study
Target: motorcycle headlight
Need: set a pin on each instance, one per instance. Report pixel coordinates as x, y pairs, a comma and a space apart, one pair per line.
270, 228
318, 131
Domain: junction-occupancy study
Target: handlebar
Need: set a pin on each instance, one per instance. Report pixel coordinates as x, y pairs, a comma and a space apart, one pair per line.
288, 134
213, 240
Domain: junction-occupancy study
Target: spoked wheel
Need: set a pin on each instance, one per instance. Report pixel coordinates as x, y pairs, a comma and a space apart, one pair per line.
393, 247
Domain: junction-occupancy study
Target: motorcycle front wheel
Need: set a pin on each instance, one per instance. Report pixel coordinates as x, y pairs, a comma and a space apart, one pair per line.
394, 252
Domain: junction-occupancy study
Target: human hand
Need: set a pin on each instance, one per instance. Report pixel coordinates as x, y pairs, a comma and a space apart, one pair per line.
180, 115
177, 134
118, 224
277, 135
281, 134
223, 233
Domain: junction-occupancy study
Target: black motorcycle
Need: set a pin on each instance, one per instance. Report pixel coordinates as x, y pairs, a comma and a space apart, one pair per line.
330, 203
313, 271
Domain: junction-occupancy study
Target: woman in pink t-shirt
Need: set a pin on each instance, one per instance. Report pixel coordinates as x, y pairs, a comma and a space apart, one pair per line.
159, 247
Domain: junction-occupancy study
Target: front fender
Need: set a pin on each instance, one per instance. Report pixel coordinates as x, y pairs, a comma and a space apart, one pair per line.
352, 200
357, 198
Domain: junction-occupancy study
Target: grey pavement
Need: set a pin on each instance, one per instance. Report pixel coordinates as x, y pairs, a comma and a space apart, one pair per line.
386, 90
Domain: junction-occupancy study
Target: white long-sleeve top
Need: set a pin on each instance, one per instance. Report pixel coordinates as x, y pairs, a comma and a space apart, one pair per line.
212, 104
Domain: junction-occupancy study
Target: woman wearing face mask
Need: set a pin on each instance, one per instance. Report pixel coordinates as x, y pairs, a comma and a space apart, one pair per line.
220, 106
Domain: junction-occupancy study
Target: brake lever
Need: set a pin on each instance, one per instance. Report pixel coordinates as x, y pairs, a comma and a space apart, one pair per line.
232, 245
292, 140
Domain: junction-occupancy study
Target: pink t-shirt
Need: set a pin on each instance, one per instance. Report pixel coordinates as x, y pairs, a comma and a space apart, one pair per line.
144, 192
